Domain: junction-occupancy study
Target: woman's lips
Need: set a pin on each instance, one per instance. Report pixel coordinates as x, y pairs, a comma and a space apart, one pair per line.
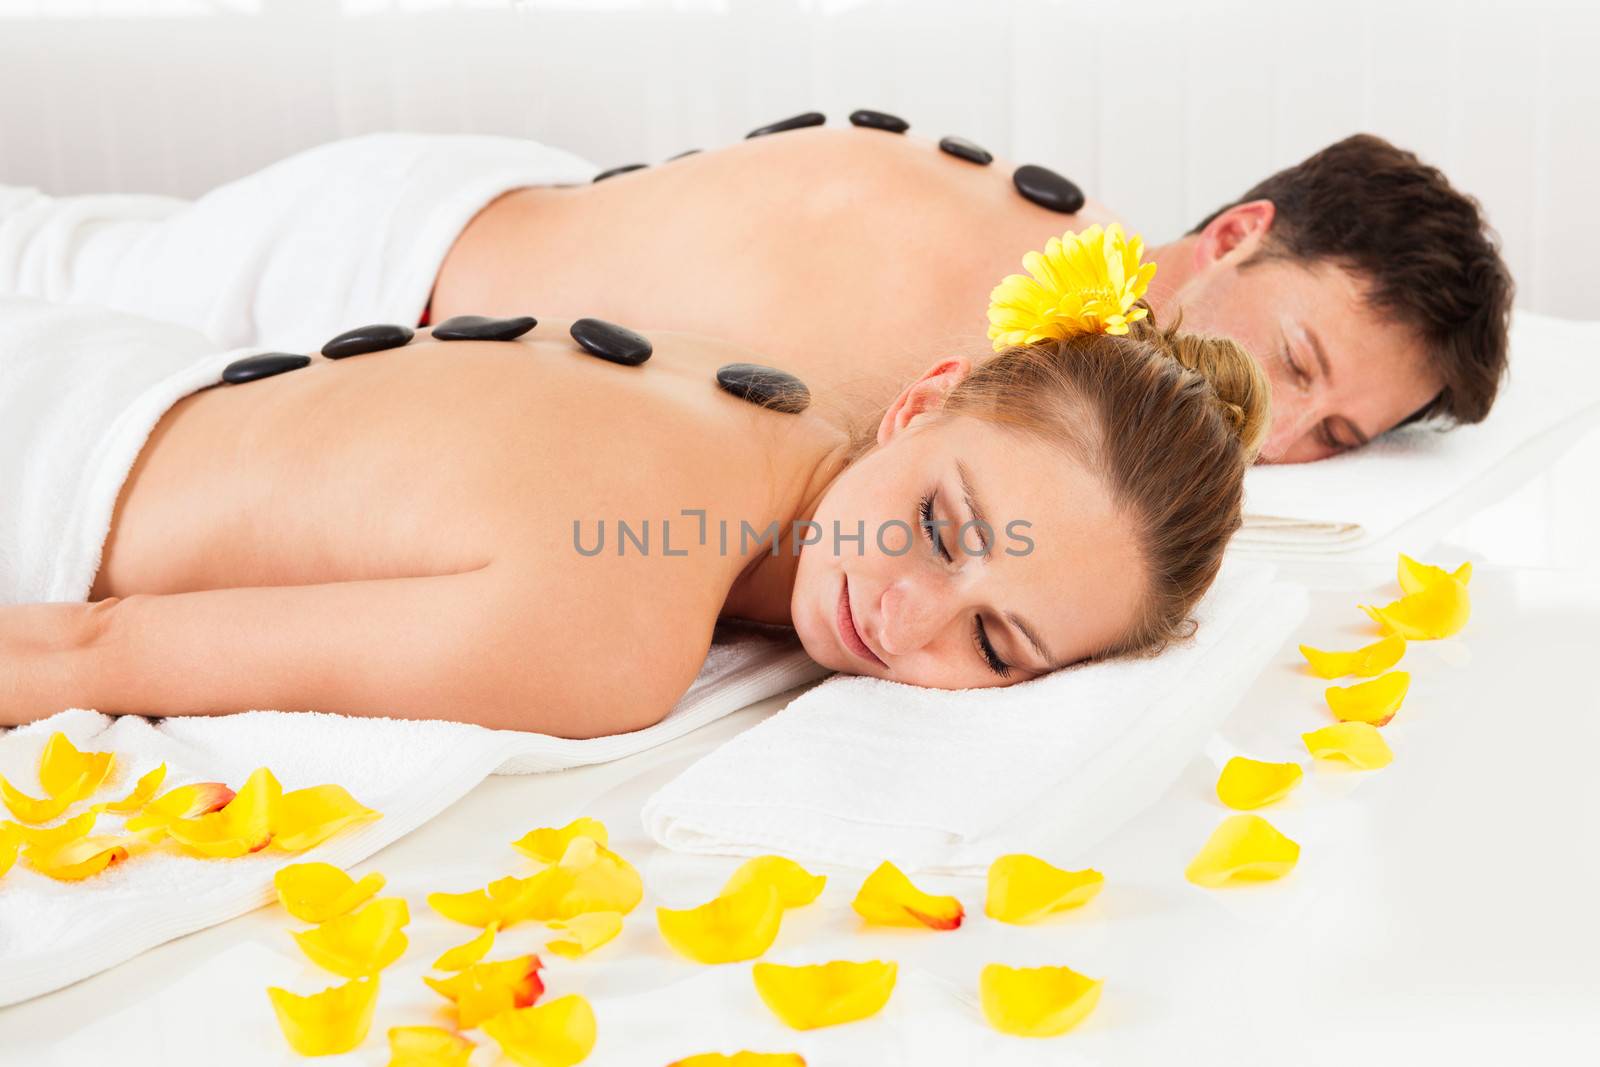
847, 628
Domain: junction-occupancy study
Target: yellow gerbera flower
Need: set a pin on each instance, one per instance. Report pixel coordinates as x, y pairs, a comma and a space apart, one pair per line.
1081, 283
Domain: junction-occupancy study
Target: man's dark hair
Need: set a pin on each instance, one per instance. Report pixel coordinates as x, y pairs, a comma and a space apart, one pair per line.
1423, 248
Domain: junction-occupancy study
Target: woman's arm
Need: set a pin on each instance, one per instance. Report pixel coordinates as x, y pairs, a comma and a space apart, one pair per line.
439, 646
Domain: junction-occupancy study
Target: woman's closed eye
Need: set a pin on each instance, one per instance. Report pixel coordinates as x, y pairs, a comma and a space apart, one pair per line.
980, 636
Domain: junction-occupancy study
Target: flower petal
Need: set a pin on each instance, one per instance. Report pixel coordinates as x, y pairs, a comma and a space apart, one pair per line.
32, 809
242, 825
307, 817
467, 953
588, 877
1414, 576
548, 844
824, 994
585, 932
1365, 661
1036, 1001
1244, 848
184, 802
334, 1020
1358, 742
557, 1034
45, 838
78, 858
1374, 702
796, 886
64, 771
142, 791
742, 1059
1025, 889
472, 907
734, 926
1438, 610
317, 892
485, 990
1247, 783
888, 897
10, 844
427, 1046
360, 944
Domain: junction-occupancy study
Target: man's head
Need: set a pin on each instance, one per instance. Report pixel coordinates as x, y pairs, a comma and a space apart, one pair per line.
1371, 291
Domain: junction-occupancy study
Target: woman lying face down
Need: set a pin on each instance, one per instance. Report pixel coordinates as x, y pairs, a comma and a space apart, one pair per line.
1060, 502
411, 533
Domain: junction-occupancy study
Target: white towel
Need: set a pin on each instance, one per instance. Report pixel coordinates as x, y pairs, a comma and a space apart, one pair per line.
858, 770
1353, 501
53, 933
339, 235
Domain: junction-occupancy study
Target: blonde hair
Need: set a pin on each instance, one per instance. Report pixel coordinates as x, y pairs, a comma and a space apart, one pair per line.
1168, 421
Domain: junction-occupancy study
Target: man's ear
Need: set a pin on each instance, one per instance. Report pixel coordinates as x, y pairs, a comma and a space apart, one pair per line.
926, 394
1235, 235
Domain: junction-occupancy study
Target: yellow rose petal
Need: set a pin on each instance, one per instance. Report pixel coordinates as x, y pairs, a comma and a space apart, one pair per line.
1025, 889
76, 859
305, 818
1358, 742
888, 897
1414, 576
796, 886
585, 932
1374, 702
466, 954
742, 1059
242, 825
359, 944
1036, 1001
558, 1034
1247, 783
184, 802
142, 791
824, 994
317, 892
10, 845
588, 877
548, 844
64, 771
1244, 848
427, 1046
1435, 611
334, 1020
33, 809
1366, 661
472, 907
485, 990
736, 926
49, 837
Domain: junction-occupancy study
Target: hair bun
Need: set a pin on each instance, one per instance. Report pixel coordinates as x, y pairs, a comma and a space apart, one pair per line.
1242, 389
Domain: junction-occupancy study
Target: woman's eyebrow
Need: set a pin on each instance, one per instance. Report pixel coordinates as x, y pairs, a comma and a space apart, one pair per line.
981, 516
1033, 639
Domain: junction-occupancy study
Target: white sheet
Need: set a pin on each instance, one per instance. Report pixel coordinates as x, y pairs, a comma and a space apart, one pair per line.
1353, 501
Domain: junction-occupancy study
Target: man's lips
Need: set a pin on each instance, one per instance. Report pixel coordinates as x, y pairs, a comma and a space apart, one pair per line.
848, 636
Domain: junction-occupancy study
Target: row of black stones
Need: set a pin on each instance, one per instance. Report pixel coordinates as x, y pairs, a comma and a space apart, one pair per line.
766, 386
1040, 185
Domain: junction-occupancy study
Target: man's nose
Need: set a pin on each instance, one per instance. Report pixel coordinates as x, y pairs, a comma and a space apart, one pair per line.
909, 614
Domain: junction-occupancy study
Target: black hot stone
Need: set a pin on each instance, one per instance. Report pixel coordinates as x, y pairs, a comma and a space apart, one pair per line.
879, 120
610, 341
364, 339
680, 155
767, 386
614, 171
962, 148
482, 328
1047, 188
809, 118
265, 365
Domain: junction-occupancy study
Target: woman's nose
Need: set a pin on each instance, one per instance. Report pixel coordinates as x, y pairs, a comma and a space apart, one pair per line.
909, 614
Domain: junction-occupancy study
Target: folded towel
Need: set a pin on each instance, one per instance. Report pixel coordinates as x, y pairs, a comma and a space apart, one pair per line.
858, 770
1353, 501
348, 232
53, 933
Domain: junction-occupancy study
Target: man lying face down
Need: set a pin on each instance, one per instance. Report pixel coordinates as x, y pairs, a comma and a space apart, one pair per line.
1368, 289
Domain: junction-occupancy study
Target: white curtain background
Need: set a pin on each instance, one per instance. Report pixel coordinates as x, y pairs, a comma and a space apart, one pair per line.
1163, 108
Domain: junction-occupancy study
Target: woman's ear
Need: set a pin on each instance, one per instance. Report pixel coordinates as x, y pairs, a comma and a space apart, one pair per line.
926, 394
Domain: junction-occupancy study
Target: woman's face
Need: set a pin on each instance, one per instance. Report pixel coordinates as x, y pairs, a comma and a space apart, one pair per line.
1050, 578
